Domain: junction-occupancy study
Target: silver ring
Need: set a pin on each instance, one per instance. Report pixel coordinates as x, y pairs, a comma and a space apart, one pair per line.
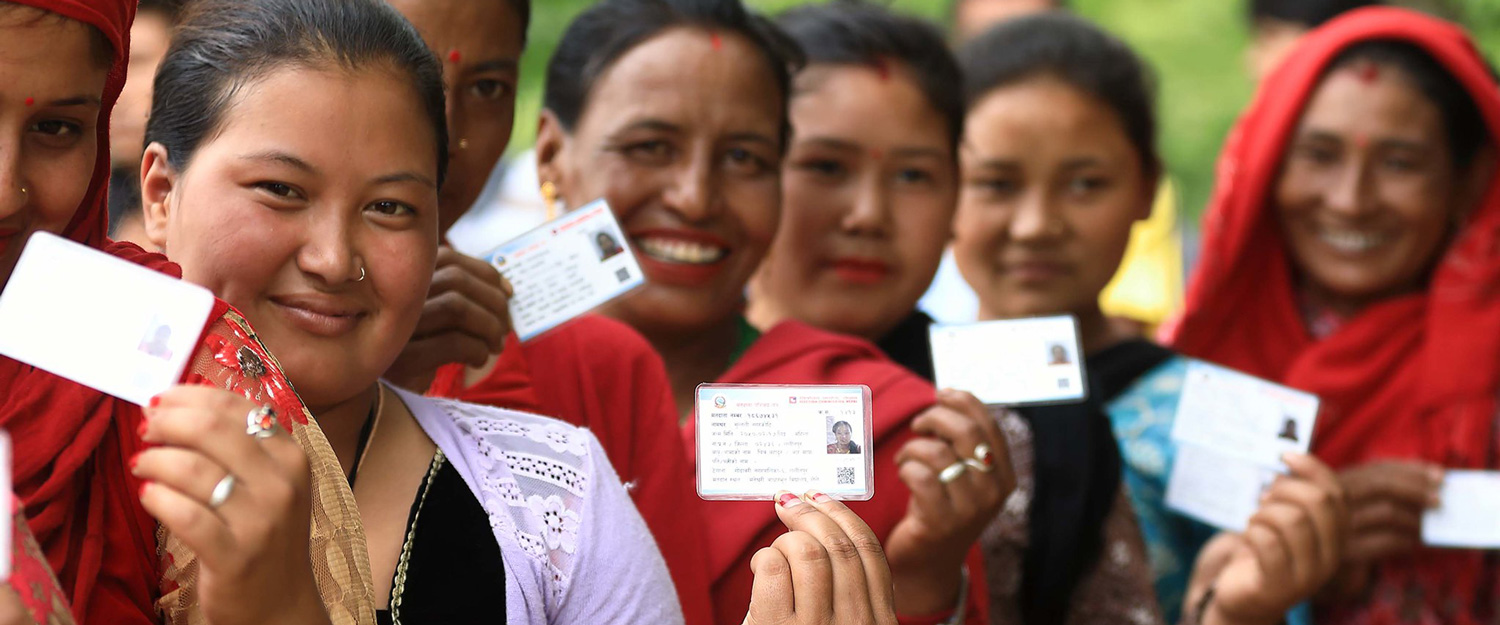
983, 459
222, 491
261, 422
361, 274
952, 472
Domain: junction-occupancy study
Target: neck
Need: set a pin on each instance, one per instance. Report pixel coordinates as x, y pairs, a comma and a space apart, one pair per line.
1315, 297
342, 422
695, 358
1094, 329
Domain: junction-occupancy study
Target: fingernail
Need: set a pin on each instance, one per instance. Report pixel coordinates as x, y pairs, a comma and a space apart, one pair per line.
142, 492
140, 430
818, 496
155, 401
133, 460
1435, 474
788, 500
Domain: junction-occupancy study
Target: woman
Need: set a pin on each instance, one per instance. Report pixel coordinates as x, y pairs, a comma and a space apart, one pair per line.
843, 444
61, 66
674, 112
458, 502
1348, 253
594, 372
870, 179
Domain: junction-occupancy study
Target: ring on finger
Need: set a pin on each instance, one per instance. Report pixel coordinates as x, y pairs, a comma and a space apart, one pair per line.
261, 422
222, 491
952, 472
983, 460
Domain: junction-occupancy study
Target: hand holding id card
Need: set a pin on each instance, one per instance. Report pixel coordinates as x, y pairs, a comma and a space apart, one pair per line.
1231, 430
756, 440
1011, 362
100, 321
565, 268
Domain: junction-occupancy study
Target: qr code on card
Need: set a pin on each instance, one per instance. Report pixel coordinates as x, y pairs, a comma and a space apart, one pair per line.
845, 476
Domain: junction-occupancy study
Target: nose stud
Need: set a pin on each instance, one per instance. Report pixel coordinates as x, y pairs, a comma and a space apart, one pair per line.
463, 144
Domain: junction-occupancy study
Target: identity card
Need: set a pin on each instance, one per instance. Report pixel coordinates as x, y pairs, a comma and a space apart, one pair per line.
757, 440
565, 268
98, 320
1469, 515
1230, 432
1011, 362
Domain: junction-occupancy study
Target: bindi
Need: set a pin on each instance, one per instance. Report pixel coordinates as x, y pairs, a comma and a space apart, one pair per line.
883, 68
30, 101
716, 41
1367, 72
455, 56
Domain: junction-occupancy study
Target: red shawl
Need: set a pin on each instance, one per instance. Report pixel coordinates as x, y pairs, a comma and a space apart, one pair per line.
1411, 377
600, 374
795, 353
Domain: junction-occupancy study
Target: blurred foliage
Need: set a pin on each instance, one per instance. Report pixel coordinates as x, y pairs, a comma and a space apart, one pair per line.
1196, 46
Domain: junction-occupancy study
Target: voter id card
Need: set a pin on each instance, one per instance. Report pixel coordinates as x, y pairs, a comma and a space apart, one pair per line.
756, 440
1469, 513
565, 268
6, 530
98, 320
1011, 362
1230, 431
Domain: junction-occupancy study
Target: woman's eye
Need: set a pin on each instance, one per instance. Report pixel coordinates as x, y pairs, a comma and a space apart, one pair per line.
743, 160
57, 128
278, 189
823, 167
999, 186
914, 176
654, 150
1401, 164
1086, 185
1318, 155
392, 208
490, 89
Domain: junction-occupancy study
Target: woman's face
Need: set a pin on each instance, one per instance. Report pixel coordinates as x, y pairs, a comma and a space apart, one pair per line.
868, 192
1051, 188
313, 211
842, 433
1368, 193
479, 42
51, 81
682, 137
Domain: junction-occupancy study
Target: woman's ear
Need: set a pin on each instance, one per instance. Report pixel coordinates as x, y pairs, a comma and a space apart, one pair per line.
158, 179
1151, 186
551, 152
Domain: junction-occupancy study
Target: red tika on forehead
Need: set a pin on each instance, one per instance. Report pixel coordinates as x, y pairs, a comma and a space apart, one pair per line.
454, 56
1368, 72
716, 40
883, 67
30, 101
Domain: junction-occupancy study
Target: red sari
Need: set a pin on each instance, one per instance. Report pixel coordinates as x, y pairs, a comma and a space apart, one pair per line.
1412, 377
795, 353
600, 374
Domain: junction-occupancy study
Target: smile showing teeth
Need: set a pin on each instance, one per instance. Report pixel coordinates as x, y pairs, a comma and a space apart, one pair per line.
1351, 241
680, 251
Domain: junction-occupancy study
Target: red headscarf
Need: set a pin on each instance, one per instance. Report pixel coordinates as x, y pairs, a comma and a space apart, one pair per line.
1412, 377
69, 452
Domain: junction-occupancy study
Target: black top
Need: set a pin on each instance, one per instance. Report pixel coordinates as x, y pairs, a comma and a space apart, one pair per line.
910, 345
455, 574
1077, 479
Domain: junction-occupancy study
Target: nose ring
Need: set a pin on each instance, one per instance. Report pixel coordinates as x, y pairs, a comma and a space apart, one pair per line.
361, 274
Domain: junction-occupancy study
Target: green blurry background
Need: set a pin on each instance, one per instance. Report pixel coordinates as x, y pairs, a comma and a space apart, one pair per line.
1196, 46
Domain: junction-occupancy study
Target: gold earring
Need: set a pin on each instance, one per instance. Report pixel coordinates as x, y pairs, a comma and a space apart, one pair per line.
549, 198
463, 144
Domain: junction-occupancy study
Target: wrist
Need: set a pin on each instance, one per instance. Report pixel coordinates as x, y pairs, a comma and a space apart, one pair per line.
927, 590
1213, 614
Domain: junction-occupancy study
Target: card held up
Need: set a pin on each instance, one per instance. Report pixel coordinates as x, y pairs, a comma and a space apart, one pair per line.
101, 321
756, 440
1011, 362
6, 530
1230, 431
565, 268
1469, 515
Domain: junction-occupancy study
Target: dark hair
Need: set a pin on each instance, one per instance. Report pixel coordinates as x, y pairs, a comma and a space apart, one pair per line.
124, 197
1307, 13
1080, 54
223, 45
853, 32
523, 11
846, 425
1462, 122
602, 34
170, 9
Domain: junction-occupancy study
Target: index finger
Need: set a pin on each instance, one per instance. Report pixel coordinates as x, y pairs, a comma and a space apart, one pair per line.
877, 572
1408, 483
473, 266
1313, 470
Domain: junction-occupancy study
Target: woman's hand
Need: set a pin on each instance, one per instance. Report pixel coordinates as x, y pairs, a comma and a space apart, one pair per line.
253, 548
1290, 549
829, 569
466, 319
1386, 504
960, 474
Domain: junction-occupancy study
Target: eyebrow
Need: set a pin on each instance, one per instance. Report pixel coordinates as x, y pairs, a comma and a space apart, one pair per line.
289, 160
82, 100
496, 65
1399, 143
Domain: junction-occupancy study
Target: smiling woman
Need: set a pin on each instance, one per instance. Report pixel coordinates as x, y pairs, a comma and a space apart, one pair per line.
1350, 252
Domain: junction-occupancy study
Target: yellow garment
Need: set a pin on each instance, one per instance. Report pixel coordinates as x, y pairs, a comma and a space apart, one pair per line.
1148, 286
